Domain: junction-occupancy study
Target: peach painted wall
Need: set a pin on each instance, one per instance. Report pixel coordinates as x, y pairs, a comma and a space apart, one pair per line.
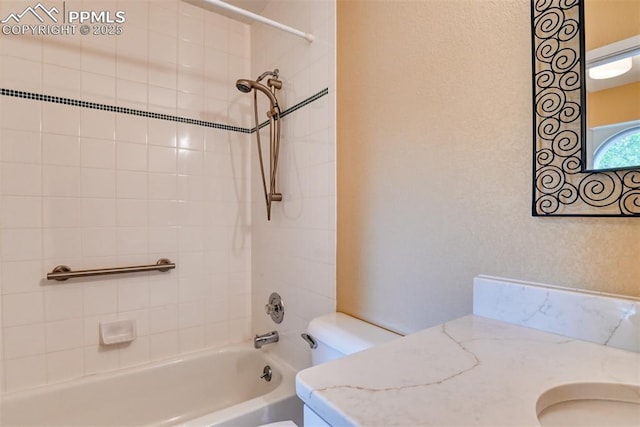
615, 105
434, 166
608, 21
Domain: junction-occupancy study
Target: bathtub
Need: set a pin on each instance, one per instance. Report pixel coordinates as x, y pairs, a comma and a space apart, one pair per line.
209, 388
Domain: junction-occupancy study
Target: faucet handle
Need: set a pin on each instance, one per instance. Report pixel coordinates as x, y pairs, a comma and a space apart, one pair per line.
275, 308
310, 340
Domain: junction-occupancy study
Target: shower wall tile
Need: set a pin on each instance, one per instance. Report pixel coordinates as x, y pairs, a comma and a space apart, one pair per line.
21, 244
294, 253
29, 47
21, 115
165, 344
20, 276
21, 72
61, 119
21, 147
61, 150
23, 341
64, 365
65, 53
25, 372
21, 212
90, 188
98, 88
162, 20
65, 81
22, 309
131, 129
98, 56
2, 366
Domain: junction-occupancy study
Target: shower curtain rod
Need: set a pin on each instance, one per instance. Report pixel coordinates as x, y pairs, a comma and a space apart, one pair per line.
260, 18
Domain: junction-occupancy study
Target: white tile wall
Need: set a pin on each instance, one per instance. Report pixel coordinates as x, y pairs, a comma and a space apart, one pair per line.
294, 253
91, 188
1, 334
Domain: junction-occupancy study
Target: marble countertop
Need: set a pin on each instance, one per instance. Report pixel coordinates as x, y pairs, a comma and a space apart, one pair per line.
470, 371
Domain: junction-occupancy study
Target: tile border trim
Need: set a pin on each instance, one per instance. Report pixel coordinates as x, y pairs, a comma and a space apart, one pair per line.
152, 115
296, 107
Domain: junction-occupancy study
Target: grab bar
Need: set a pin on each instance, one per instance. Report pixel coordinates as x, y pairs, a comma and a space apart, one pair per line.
63, 272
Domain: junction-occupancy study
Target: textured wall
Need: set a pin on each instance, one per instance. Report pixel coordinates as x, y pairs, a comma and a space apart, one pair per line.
434, 166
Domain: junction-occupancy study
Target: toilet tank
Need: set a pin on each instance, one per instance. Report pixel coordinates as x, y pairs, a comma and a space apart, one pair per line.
338, 335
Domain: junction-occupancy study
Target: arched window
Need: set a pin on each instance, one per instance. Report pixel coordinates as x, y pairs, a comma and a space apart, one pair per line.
621, 150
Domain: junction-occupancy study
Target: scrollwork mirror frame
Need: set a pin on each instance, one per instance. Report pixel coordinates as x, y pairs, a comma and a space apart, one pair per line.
561, 186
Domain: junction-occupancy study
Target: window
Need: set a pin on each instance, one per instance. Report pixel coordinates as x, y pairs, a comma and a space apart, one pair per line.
621, 150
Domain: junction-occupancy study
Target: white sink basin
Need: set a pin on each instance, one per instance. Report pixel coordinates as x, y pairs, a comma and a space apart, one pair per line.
590, 404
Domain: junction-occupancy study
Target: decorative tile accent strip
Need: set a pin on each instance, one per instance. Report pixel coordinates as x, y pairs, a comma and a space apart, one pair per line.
298, 106
610, 320
115, 109
142, 113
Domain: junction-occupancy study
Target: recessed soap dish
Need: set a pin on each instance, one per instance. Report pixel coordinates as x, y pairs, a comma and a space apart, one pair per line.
118, 331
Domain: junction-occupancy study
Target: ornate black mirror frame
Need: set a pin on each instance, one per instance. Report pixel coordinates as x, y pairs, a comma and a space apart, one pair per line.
561, 187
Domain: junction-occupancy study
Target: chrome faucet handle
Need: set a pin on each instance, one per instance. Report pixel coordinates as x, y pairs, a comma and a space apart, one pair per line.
275, 308
310, 340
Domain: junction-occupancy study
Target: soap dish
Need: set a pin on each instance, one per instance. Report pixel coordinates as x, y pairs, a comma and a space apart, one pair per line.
118, 331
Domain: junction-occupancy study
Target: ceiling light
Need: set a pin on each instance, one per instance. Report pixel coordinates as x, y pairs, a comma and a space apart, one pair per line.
612, 69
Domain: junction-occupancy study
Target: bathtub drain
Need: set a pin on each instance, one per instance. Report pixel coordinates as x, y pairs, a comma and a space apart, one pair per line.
267, 373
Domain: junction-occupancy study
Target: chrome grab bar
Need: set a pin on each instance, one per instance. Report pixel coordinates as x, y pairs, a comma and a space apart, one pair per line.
63, 272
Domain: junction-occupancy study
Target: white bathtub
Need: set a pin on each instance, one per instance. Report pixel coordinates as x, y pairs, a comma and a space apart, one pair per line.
210, 388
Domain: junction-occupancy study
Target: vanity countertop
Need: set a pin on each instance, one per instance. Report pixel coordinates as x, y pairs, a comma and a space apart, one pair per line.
470, 371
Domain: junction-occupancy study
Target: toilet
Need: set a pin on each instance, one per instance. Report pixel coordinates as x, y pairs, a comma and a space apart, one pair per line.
337, 335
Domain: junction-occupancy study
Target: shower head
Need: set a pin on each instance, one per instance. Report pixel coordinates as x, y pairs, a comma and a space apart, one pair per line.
245, 86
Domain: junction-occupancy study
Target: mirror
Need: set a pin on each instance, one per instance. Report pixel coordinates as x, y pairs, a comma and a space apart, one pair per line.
563, 184
612, 59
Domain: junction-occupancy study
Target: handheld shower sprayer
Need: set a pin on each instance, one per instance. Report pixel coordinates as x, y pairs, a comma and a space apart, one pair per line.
246, 86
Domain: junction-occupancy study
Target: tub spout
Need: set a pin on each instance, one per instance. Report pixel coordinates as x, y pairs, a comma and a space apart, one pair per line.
268, 338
